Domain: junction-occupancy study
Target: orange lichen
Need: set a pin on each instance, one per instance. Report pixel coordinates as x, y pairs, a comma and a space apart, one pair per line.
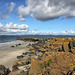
32, 47
56, 39
73, 65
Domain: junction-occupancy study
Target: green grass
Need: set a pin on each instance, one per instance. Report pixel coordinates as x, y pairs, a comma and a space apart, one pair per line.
50, 61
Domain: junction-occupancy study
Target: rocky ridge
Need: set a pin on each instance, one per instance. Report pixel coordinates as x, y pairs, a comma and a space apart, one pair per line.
54, 56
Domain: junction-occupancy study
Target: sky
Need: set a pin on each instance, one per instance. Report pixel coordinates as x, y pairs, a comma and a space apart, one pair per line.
44, 17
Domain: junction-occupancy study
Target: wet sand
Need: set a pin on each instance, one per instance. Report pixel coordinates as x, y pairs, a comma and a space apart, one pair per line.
8, 54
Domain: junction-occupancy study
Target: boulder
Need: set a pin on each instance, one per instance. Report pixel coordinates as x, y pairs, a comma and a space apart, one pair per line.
19, 57
15, 68
73, 51
20, 62
71, 44
4, 70
23, 72
26, 53
12, 46
65, 47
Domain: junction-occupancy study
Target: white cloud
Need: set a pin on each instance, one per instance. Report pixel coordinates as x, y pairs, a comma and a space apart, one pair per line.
71, 31
16, 26
1, 25
68, 32
4, 15
10, 8
13, 29
22, 19
46, 33
44, 10
23, 12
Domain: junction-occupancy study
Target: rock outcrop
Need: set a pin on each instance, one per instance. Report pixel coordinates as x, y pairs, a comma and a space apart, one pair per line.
53, 64
4, 70
58, 57
28, 39
54, 56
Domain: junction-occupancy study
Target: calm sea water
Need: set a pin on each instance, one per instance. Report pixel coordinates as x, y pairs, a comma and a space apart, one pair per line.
9, 38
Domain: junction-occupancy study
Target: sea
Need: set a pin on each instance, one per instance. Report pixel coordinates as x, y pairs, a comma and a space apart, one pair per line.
10, 39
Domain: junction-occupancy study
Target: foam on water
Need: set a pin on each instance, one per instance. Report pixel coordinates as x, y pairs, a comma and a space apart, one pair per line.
10, 43
10, 39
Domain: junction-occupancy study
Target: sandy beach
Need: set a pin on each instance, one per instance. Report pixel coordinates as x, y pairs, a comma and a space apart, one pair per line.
8, 54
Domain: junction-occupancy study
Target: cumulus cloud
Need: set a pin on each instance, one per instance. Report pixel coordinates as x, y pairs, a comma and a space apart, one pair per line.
68, 32
4, 15
23, 12
13, 29
44, 10
1, 25
22, 19
46, 33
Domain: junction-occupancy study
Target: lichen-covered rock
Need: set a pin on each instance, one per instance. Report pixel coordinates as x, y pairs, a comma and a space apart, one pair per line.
35, 69
15, 68
65, 46
72, 46
20, 62
56, 63
23, 72
54, 56
73, 50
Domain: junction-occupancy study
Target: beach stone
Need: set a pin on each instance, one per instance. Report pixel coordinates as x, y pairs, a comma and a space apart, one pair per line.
4, 70
19, 57
19, 44
23, 72
26, 53
15, 73
21, 62
15, 68
12, 46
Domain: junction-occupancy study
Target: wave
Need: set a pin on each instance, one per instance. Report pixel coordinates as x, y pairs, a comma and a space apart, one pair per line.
10, 43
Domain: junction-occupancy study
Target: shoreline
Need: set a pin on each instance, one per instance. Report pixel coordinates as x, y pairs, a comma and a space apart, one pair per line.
43, 57
9, 54
47, 57
2, 44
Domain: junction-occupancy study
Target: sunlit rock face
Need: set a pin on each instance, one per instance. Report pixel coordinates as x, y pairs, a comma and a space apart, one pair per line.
56, 63
54, 56
58, 58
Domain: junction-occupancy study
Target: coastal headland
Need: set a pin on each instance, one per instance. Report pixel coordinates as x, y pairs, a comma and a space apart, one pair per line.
55, 56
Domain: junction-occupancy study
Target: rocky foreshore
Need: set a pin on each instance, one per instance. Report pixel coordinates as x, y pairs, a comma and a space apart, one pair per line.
28, 39
54, 56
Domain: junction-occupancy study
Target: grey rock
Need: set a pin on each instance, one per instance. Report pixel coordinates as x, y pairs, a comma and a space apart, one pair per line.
4, 71
15, 68
19, 57
23, 72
